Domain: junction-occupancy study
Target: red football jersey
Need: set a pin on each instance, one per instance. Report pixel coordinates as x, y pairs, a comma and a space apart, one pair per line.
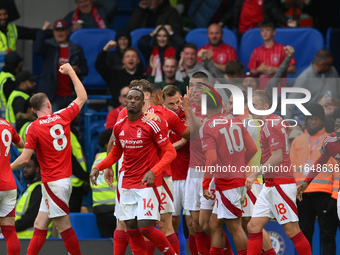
140, 143
251, 15
172, 121
272, 56
223, 53
197, 156
274, 136
229, 141
179, 167
50, 137
8, 135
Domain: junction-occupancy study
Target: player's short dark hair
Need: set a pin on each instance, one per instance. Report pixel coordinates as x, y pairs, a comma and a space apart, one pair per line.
131, 49
190, 45
213, 102
322, 55
336, 113
170, 91
267, 23
143, 84
104, 137
137, 89
155, 88
264, 96
201, 75
38, 100
234, 67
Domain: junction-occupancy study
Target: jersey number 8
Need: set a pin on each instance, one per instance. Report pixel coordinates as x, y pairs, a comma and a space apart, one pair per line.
57, 137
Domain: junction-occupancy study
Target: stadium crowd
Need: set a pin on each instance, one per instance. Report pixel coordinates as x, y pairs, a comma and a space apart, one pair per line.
175, 142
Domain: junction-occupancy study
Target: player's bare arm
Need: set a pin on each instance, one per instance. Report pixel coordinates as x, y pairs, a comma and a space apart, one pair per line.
20, 144
22, 160
78, 86
149, 116
179, 144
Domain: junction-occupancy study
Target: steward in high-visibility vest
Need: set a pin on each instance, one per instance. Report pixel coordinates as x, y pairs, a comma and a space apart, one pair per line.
103, 196
28, 205
17, 101
12, 66
320, 198
79, 177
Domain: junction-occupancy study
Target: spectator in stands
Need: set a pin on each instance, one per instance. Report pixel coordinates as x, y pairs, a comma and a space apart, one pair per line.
188, 62
248, 14
56, 52
116, 79
18, 101
221, 52
27, 207
169, 69
103, 196
113, 114
13, 63
319, 200
165, 44
120, 44
9, 32
250, 80
321, 79
80, 176
152, 13
266, 59
87, 15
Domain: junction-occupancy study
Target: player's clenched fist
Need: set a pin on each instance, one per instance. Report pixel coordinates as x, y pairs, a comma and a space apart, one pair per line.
66, 69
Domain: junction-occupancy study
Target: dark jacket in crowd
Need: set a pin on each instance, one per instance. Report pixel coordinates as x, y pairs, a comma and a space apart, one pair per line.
164, 14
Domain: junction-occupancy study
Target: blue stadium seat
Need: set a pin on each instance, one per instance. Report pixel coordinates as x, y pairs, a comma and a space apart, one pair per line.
85, 225
199, 37
333, 42
306, 42
92, 40
135, 36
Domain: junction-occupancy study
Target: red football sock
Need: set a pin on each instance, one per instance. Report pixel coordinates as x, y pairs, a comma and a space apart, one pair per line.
216, 251
150, 247
71, 241
269, 252
192, 245
120, 242
227, 247
136, 241
12, 241
158, 238
173, 240
242, 252
37, 241
203, 242
255, 243
301, 244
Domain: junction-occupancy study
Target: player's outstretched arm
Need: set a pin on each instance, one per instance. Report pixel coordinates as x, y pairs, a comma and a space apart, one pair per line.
22, 160
78, 86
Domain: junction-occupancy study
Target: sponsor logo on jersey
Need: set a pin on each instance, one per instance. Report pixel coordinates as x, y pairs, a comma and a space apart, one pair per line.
337, 156
121, 133
277, 242
139, 133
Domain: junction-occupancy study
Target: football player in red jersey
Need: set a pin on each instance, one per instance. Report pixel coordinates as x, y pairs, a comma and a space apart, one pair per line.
49, 135
278, 196
138, 139
8, 187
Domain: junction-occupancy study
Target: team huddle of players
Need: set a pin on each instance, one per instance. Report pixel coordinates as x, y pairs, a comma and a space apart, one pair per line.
210, 200
159, 175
